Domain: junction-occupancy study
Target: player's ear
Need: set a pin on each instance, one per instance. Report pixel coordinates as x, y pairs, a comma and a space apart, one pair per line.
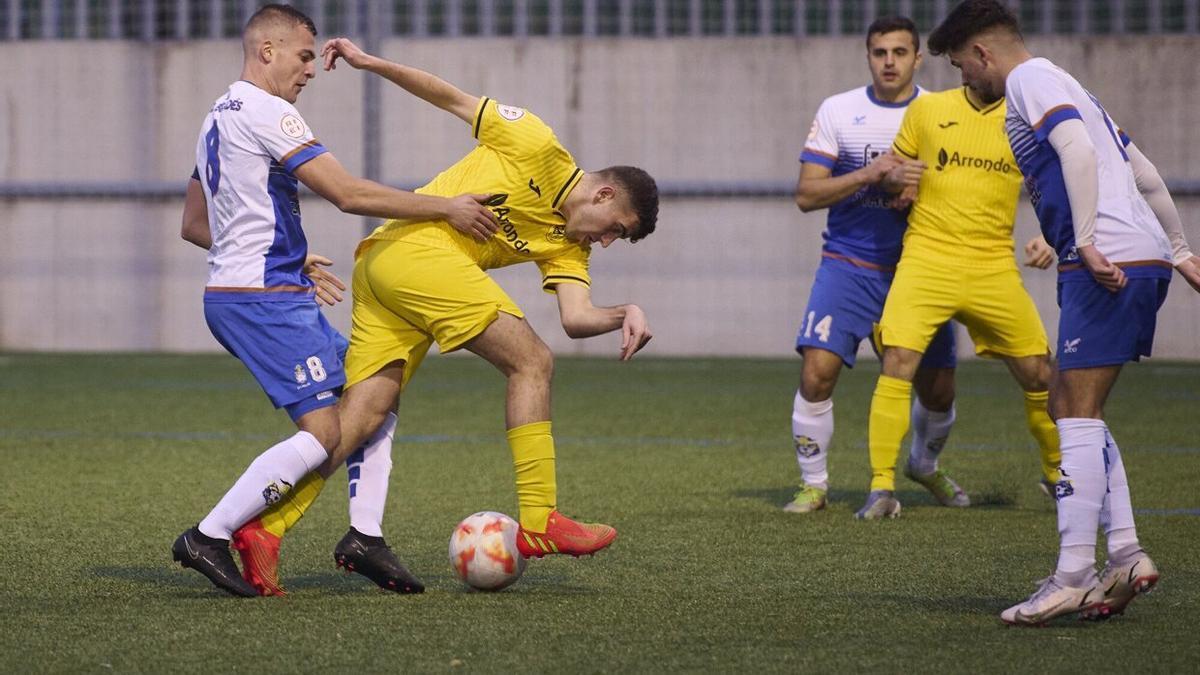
604, 193
266, 51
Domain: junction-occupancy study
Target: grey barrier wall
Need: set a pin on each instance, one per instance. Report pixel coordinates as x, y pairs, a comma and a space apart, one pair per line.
724, 274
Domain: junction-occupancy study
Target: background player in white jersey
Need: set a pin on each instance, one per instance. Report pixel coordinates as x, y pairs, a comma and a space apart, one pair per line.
242, 205
1106, 211
844, 159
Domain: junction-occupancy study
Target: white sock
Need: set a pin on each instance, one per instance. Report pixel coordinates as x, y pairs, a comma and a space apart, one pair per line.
930, 429
1081, 496
368, 469
1116, 515
812, 429
270, 476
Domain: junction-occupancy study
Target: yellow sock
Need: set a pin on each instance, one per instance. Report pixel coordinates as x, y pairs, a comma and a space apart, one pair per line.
885, 432
533, 460
1043, 429
285, 513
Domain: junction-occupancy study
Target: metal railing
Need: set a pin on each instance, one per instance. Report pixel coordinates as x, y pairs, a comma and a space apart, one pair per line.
217, 19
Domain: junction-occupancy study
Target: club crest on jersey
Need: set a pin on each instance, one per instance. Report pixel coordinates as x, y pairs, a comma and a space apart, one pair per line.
510, 113
807, 447
557, 234
299, 374
292, 126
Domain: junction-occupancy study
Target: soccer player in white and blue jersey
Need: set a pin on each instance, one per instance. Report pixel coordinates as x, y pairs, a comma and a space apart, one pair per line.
242, 205
844, 159
1106, 211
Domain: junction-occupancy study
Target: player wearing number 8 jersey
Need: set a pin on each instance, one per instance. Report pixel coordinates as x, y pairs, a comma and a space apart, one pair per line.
1117, 233
260, 300
844, 158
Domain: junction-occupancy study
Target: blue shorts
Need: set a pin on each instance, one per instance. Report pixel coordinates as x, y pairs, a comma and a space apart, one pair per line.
289, 347
843, 307
1099, 328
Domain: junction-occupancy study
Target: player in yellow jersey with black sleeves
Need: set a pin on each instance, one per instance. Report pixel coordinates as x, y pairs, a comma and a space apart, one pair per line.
417, 282
958, 263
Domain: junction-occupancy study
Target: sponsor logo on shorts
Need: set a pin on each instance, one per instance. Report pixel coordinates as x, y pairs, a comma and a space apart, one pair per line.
807, 447
1071, 346
955, 159
324, 395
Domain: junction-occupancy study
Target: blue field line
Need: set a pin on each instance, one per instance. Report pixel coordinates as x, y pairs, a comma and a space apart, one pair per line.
1167, 512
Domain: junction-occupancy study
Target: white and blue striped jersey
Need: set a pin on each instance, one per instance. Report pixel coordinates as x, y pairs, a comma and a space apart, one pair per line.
249, 145
850, 130
1040, 97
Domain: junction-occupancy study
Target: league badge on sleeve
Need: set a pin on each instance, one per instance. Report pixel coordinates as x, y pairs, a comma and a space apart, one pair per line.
292, 126
510, 113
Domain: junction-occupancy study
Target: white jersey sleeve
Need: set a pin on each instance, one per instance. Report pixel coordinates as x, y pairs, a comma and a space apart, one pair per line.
284, 135
821, 146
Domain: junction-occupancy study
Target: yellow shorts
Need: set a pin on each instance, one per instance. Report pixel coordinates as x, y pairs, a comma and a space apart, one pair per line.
992, 303
408, 296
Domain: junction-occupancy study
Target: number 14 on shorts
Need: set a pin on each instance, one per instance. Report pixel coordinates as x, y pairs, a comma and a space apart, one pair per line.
821, 327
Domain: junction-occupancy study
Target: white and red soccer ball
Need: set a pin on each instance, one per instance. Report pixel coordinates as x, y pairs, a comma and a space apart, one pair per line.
483, 551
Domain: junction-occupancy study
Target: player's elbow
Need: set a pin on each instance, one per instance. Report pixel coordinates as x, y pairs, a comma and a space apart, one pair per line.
574, 329
805, 202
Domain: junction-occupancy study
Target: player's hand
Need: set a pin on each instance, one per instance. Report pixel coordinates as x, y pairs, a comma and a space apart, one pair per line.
347, 50
906, 198
903, 174
880, 166
1106, 274
635, 332
1190, 270
467, 214
1038, 253
329, 287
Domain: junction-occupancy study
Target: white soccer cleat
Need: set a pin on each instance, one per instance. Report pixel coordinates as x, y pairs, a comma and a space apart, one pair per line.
1122, 583
1052, 600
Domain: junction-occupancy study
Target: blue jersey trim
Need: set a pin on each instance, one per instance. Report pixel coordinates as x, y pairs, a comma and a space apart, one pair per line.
301, 156
1125, 139
817, 158
888, 104
1054, 118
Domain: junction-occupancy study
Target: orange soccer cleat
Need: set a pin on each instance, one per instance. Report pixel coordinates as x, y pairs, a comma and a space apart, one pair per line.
564, 535
259, 550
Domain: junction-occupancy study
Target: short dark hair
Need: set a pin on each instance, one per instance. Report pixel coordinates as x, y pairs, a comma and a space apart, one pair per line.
642, 192
968, 19
282, 13
891, 24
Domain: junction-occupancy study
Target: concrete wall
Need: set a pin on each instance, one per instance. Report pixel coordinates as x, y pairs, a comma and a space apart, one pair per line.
721, 276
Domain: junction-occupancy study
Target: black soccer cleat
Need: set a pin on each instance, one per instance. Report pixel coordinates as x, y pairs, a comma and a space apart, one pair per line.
211, 558
372, 558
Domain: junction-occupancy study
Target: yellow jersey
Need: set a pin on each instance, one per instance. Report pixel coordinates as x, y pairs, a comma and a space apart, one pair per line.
967, 199
529, 174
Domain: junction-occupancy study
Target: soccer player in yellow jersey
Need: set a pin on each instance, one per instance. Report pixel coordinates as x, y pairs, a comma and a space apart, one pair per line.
417, 282
957, 262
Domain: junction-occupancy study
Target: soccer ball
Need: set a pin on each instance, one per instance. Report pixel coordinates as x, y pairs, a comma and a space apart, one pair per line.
483, 551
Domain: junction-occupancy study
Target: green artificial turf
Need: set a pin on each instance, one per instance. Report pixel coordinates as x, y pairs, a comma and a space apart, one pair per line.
106, 458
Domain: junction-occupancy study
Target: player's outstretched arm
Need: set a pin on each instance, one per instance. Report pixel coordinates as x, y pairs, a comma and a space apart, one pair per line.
818, 188
413, 80
581, 319
1154, 189
195, 217
327, 177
